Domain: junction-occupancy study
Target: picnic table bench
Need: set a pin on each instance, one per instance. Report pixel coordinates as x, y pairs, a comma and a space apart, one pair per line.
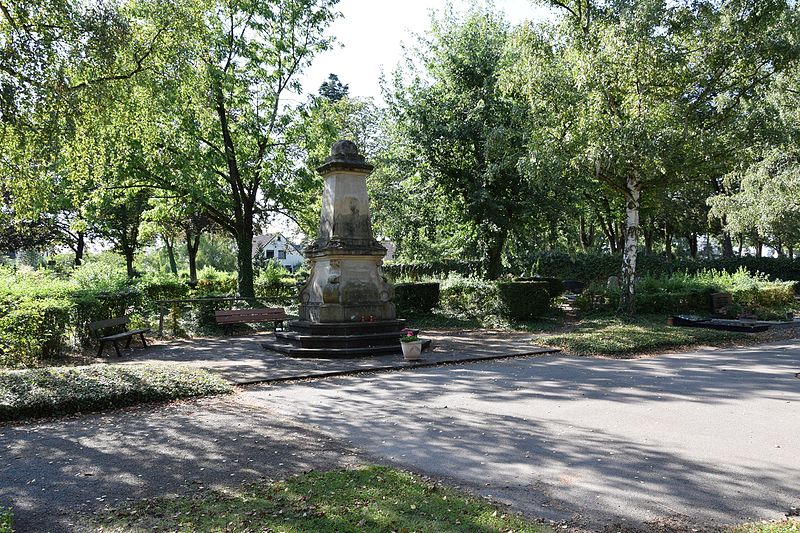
97, 329
229, 317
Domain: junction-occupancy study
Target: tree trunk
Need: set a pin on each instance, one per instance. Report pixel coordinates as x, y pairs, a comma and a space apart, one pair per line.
790, 251
244, 259
779, 249
80, 246
648, 240
192, 245
727, 245
759, 249
633, 194
741, 244
693, 245
497, 241
173, 266
128, 252
586, 235
667, 242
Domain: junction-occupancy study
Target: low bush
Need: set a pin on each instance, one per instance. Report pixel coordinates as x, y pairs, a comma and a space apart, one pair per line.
682, 292
32, 331
6, 525
523, 300
469, 297
416, 298
63, 390
554, 286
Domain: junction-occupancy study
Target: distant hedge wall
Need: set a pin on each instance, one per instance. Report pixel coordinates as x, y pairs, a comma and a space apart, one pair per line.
598, 267
523, 300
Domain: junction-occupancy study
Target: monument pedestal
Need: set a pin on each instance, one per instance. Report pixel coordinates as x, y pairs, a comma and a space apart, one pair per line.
346, 307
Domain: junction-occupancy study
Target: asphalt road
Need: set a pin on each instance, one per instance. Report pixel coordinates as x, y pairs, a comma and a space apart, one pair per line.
706, 437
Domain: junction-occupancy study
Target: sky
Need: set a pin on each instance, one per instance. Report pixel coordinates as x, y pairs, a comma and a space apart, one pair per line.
370, 35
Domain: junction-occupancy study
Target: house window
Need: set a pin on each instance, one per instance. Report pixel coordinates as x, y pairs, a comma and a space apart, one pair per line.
269, 253
281, 254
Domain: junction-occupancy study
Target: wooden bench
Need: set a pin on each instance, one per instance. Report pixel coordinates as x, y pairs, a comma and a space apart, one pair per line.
229, 317
97, 330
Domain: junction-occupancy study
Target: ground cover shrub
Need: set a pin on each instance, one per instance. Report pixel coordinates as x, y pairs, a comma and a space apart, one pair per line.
623, 335
275, 284
416, 298
469, 297
523, 300
59, 391
6, 525
683, 292
213, 282
371, 499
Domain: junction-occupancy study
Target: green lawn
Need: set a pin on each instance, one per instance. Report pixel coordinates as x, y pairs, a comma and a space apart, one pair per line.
64, 390
621, 335
371, 499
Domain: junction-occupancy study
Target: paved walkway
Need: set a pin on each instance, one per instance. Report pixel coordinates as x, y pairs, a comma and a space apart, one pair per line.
243, 360
709, 436
705, 436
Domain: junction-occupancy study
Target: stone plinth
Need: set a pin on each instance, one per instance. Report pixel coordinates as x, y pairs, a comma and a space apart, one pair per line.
346, 307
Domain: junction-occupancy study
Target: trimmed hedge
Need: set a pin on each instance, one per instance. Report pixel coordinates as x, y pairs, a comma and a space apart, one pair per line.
413, 298
472, 298
64, 390
523, 300
397, 270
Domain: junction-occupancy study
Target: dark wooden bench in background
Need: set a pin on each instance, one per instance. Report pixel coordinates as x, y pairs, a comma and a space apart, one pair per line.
229, 317
98, 327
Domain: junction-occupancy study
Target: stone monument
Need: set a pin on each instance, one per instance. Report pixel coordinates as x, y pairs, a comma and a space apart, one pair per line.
346, 307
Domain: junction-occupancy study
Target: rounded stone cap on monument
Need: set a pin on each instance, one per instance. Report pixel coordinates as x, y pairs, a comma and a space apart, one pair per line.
345, 156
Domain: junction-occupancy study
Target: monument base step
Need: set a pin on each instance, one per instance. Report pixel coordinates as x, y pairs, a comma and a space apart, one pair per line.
366, 340
330, 353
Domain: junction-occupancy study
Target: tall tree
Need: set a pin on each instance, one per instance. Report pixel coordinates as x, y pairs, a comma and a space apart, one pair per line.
213, 119
653, 79
469, 135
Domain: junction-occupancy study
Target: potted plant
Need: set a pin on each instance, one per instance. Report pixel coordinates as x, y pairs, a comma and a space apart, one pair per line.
412, 346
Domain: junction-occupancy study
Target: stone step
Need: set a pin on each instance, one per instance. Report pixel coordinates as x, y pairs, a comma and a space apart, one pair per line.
346, 328
339, 341
330, 353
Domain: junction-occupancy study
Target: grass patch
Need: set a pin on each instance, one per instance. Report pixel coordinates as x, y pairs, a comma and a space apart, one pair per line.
784, 526
64, 390
623, 335
5, 520
375, 499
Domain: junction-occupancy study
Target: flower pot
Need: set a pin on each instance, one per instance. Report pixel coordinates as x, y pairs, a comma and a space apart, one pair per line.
411, 350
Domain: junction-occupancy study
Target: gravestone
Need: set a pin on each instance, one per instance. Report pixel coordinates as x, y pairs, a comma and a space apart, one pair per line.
346, 307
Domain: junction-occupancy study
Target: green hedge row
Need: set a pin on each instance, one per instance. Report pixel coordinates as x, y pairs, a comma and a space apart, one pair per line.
476, 298
60, 391
598, 267
42, 312
523, 300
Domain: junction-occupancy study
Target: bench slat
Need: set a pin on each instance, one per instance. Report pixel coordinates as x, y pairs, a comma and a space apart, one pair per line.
238, 312
111, 322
